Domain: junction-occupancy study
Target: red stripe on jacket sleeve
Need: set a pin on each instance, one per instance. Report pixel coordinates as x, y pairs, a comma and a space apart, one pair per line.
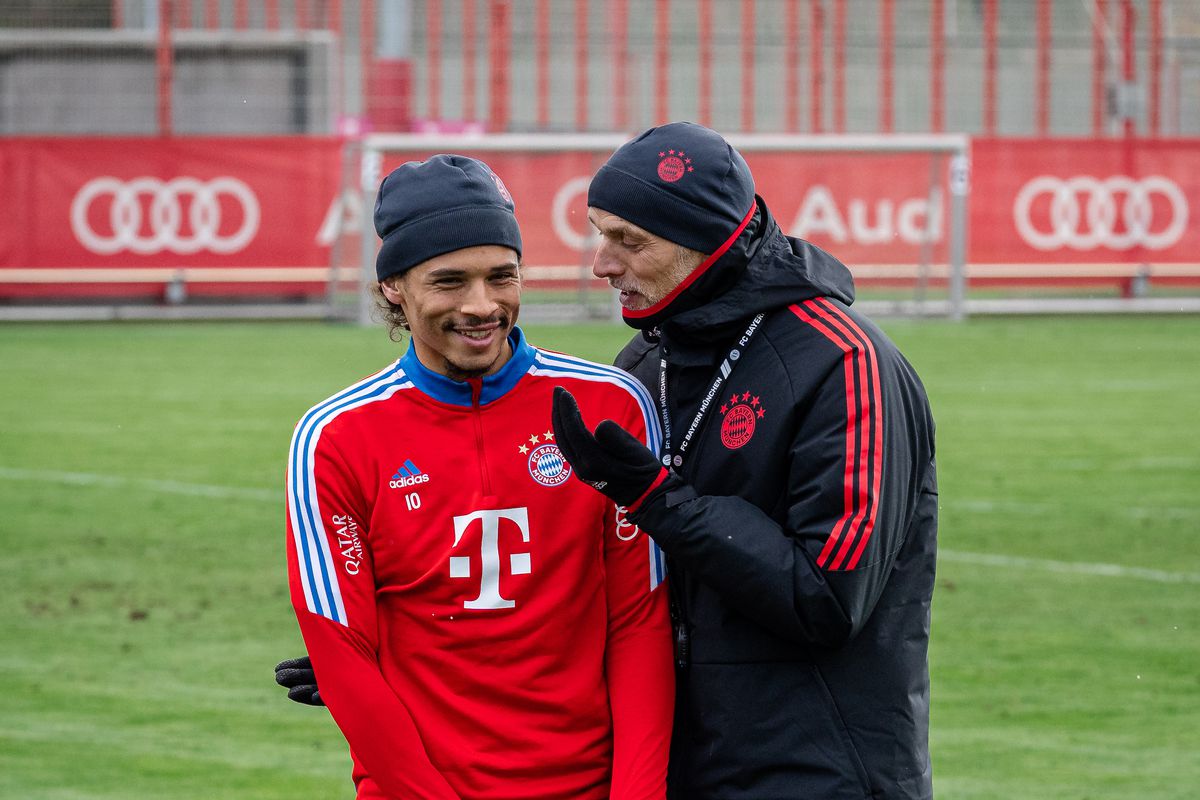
636, 504
873, 469
864, 435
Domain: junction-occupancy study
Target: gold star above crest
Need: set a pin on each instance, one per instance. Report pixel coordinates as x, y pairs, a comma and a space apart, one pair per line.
533, 439
524, 450
548, 436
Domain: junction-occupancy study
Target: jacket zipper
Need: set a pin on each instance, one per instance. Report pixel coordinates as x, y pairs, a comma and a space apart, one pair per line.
679, 616
477, 417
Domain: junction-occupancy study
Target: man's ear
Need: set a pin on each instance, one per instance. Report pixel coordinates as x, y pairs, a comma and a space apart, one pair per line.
392, 288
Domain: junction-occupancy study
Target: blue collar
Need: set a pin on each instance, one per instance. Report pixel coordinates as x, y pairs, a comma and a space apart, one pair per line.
458, 393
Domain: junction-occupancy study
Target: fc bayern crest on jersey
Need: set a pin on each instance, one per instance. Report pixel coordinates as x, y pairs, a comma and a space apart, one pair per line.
673, 165
547, 465
739, 418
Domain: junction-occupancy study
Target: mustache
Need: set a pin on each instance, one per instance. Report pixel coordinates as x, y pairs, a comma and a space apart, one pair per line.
470, 321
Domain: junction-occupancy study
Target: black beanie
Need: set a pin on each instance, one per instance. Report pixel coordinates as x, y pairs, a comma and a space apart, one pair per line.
427, 208
680, 181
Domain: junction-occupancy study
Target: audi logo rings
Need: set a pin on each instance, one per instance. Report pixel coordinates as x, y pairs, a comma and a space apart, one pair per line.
164, 229
1083, 213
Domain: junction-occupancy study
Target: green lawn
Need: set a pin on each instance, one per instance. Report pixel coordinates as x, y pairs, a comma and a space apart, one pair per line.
145, 602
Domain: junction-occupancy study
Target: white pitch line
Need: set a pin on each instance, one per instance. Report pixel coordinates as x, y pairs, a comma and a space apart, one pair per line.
1071, 567
272, 496
1019, 508
168, 487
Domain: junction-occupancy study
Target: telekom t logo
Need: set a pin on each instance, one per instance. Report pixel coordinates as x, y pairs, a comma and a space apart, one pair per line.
489, 554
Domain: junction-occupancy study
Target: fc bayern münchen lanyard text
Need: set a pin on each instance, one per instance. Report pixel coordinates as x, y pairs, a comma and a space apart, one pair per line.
670, 459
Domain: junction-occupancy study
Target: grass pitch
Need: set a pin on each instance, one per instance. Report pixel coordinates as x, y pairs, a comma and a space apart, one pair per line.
144, 599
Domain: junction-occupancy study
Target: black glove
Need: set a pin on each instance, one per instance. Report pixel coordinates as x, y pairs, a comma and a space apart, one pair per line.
612, 462
301, 682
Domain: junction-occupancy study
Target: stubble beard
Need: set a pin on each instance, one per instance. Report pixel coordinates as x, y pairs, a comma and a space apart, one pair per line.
680, 267
461, 374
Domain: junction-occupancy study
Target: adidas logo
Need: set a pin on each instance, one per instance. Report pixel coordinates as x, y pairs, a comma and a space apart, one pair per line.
408, 475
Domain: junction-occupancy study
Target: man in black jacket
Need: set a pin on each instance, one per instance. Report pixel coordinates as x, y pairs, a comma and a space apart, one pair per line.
796, 497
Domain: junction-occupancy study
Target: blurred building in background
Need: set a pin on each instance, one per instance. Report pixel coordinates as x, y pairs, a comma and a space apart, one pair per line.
984, 67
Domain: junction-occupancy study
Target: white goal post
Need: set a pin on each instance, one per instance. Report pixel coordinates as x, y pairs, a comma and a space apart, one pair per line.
538, 196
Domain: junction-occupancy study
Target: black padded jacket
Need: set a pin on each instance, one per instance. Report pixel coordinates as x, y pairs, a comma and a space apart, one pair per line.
801, 550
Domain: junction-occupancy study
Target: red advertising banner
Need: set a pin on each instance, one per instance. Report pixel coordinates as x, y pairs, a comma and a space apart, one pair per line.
870, 210
265, 211
115, 208
1078, 201
1033, 202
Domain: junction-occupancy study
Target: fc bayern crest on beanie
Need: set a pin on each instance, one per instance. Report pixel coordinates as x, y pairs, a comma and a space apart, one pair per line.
680, 181
428, 208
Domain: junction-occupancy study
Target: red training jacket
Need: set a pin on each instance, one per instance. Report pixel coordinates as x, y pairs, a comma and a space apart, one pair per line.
481, 623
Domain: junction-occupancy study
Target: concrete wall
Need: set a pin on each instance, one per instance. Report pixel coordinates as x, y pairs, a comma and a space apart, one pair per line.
93, 82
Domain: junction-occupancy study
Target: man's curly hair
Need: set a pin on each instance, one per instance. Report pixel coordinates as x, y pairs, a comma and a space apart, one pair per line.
389, 313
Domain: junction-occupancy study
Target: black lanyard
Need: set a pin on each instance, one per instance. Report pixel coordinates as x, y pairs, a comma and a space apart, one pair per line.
670, 459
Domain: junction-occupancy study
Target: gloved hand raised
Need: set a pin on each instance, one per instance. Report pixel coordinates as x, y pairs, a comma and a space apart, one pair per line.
612, 461
301, 682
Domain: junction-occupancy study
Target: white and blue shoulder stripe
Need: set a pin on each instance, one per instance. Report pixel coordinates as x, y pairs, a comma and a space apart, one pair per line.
557, 364
317, 573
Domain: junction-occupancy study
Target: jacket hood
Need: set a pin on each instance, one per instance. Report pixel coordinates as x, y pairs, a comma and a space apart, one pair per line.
773, 271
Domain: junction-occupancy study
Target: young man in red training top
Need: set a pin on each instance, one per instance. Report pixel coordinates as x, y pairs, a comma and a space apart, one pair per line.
481, 625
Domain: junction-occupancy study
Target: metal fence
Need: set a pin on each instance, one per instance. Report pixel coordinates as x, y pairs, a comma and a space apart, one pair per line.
988, 67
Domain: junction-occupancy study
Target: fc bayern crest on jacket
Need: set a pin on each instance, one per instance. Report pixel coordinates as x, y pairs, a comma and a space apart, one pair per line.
739, 418
546, 463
